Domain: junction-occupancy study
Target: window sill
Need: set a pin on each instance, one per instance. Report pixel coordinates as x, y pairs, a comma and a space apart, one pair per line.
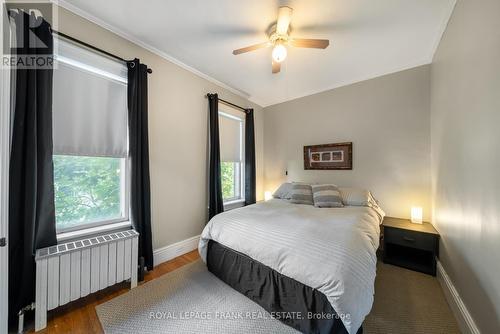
234, 204
91, 231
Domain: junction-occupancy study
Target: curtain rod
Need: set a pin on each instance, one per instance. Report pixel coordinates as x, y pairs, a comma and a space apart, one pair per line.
93, 47
231, 104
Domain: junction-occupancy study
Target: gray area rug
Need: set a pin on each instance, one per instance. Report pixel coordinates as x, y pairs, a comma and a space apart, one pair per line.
187, 300
192, 300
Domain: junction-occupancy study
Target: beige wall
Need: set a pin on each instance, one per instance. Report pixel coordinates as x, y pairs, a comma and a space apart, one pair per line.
178, 118
388, 121
465, 114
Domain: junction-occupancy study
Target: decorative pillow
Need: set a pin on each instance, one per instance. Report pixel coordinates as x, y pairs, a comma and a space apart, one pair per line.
326, 196
301, 194
284, 191
355, 196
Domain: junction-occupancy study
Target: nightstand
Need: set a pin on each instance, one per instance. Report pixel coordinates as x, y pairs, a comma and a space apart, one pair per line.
408, 245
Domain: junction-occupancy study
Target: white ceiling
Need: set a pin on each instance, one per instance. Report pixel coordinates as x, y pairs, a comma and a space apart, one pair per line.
367, 39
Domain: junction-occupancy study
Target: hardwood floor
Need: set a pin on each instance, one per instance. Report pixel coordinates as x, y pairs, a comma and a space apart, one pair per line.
80, 316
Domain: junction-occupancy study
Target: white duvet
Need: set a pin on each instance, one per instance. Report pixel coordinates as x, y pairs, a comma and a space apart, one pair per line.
329, 249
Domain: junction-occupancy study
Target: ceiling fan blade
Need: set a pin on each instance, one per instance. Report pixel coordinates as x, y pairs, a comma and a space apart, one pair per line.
310, 43
251, 48
284, 18
276, 67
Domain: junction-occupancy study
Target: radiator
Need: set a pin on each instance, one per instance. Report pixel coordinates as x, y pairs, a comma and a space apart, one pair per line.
69, 271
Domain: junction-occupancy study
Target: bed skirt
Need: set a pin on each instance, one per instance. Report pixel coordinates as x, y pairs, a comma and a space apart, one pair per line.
293, 303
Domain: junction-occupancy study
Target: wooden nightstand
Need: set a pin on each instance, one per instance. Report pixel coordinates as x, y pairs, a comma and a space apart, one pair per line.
413, 246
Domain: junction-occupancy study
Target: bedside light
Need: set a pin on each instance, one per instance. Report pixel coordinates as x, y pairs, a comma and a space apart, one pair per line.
416, 215
267, 196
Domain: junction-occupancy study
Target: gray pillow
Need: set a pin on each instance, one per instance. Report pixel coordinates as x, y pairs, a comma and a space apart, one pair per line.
284, 191
326, 196
301, 194
355, 196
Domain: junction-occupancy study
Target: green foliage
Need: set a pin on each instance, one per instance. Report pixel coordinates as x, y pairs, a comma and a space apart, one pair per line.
227, 179
87, 189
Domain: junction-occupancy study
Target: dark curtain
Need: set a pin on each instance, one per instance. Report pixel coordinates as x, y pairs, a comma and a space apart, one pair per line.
249, 158
215, 203
140, 198
31, 180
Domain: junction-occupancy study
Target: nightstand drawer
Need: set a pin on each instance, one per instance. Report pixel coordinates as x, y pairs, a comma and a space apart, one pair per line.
412, 239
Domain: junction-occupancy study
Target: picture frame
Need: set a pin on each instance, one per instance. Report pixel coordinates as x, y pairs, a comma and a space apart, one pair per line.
336, 156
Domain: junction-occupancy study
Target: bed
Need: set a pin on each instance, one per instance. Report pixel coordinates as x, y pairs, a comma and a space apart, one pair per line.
312, 268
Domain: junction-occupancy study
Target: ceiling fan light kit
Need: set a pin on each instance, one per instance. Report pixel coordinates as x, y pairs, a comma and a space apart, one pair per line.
279, 52
279, 38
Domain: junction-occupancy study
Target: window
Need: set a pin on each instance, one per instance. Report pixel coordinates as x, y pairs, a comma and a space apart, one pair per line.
230, 176
91, 179
231, 128
89, 190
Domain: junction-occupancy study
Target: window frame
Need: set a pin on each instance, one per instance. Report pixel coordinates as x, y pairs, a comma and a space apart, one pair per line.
124, 204
229, 112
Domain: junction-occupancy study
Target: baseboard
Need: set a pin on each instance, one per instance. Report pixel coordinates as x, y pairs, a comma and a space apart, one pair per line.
464, 318
172, 251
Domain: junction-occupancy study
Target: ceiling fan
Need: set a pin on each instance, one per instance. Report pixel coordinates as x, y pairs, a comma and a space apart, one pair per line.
279, 39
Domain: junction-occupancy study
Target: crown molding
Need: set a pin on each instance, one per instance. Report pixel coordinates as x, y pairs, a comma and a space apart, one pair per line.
76, 10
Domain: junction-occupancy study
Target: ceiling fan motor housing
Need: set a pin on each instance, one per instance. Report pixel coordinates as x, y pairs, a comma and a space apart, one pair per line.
275, 37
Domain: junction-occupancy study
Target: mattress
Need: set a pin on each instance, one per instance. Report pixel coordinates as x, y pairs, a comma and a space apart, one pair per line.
332, 250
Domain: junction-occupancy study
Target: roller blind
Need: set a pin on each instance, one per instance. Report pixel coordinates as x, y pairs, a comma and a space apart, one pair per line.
230, 129
89, 103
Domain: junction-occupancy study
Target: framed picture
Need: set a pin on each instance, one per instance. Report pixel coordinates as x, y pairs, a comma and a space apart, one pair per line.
328, 156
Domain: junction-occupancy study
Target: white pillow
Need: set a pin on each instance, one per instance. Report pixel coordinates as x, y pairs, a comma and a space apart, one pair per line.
284, 191
355, 196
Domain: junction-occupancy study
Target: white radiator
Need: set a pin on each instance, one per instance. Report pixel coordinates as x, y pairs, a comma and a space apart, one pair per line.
72, 270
